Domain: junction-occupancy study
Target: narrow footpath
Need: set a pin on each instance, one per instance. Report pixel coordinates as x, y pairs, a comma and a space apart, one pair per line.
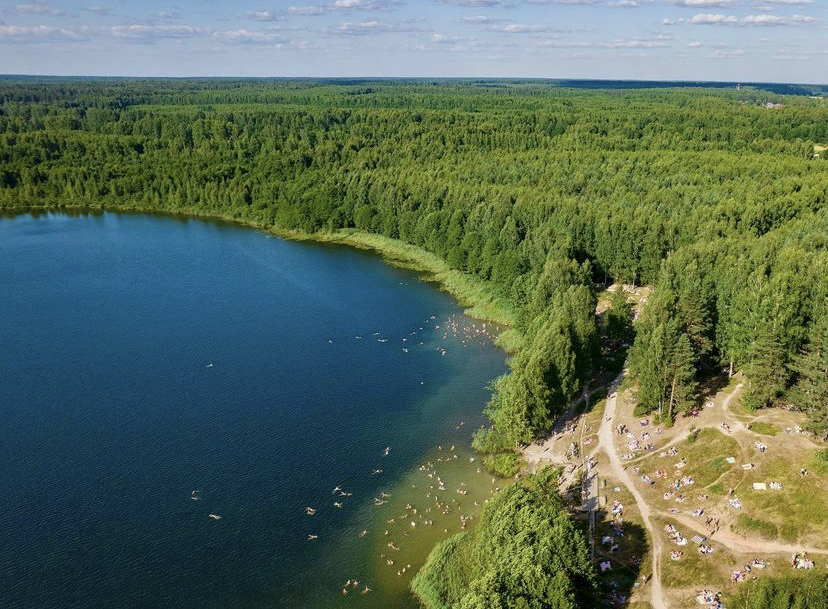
605, 441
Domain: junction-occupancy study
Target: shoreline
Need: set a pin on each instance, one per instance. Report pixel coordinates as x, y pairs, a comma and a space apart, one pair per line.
479, 298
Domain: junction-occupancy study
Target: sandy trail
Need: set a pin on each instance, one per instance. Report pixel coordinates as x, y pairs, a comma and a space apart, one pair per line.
605, 440
743, 545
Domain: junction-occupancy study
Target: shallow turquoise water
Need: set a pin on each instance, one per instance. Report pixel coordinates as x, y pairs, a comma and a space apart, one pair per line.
143, 358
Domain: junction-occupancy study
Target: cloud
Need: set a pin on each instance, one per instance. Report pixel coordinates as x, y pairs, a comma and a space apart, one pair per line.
750, 20
98, 10
627, 3
479, 19
153, 32
38, 9
474, 3
242, 36
263, 16
704, 3
777, 20
630, 43
338, 5
788, 2
519, 28
694, 44
41, 33
572, 2
366, 28
726, 53
711, 19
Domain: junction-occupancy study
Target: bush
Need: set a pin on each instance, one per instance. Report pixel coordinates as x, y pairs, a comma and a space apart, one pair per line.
504, 465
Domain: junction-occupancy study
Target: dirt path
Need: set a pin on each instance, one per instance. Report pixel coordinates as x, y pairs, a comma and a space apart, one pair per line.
606, 441
743, 545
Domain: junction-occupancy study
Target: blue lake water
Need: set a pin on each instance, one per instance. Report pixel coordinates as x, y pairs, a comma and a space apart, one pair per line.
143, 358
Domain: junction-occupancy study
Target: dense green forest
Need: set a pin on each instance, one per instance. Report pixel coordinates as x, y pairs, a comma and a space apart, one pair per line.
542, 193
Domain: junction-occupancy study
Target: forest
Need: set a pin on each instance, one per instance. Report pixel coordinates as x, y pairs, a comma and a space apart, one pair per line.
717, 197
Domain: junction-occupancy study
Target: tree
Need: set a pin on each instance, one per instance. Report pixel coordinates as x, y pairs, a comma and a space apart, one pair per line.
810, 393
766, 373
526, 553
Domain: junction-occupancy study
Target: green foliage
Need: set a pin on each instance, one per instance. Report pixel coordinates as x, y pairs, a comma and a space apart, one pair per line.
811, 389
809, 591
525, 553
504, 465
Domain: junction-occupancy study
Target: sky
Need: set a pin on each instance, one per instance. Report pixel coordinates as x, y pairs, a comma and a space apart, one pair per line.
730, 40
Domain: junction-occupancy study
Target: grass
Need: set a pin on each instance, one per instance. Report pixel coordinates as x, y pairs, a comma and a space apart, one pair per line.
705, 455
766, 429
746, 525
820, 462
800, 509
694, 569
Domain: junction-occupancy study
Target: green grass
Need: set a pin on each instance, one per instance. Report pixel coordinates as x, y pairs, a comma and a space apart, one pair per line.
801, 508
820, 462
746, 525
766, 429
693, 569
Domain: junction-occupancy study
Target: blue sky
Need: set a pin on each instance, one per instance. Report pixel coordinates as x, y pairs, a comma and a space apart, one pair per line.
741, 40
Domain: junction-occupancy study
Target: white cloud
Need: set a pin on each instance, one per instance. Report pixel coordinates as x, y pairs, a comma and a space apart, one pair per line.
726, 53
750, 20
152, 32
777, 20
306, 10
474, 3
244, 36
630, 43
372, 27
711, 19
38, 9
478, 19
704, 3
263, 16
626, 4
40, 33
518, 28
99, 10
694, 44
572, 2
338, 5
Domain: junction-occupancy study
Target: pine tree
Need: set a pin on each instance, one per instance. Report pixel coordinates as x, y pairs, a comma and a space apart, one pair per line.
766, 371
683, 376
810, 393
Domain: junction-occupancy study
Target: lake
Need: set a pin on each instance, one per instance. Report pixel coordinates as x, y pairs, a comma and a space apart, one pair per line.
155, 371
